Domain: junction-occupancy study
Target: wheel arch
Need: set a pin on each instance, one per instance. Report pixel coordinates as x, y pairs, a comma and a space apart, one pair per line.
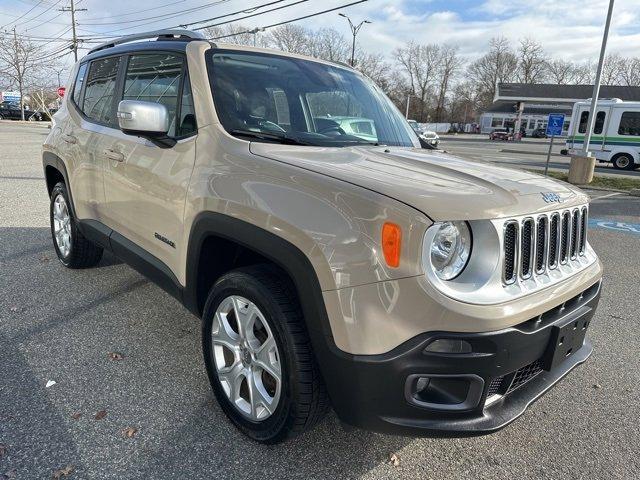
55, 171
282, 253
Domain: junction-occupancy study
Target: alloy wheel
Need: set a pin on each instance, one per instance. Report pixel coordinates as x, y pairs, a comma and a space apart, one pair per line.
246, 358
62, 225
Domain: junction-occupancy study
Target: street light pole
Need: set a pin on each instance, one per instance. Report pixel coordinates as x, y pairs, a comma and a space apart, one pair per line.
583, 165
596, 86
354, 31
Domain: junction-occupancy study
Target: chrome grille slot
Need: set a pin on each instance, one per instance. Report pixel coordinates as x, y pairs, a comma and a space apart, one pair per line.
554, 244
565, 237
510, 251
526, 248
583, 230
575, 232
550, 245
541, 243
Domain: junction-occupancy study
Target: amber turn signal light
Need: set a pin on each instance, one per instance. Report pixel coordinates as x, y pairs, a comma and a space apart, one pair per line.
391, 241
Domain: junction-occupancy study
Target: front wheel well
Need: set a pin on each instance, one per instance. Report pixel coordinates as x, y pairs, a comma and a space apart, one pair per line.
218, 256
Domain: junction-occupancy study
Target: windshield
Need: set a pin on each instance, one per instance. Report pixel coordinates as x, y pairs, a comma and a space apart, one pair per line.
272, 98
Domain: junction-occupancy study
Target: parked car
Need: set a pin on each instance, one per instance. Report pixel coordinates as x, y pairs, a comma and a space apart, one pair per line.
428, 138
413, 291
12, 111
500, 134
539, 133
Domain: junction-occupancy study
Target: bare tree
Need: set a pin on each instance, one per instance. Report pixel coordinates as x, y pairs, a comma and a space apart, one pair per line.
374, 66
499, 64
20, 59
291, 38
328, 44
238, 34
420, 63
560, 71
630, 72
449, 65
532, 66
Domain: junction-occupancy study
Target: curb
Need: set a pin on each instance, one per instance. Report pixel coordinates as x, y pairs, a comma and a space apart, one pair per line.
524, 152
635, 192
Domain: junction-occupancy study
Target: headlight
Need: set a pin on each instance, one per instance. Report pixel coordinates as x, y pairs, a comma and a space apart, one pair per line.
450, 249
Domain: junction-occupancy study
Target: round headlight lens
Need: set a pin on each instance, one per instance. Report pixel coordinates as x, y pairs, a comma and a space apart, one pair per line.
450, 249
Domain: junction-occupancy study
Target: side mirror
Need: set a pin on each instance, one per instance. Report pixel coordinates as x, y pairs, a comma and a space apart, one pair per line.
147, 120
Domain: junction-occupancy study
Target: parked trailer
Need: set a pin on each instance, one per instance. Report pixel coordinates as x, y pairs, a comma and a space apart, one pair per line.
616, 132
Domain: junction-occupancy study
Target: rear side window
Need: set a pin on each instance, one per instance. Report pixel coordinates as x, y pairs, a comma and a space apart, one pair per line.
582, 127
599, 125
155, 78
629, 124
77, 85
99, 90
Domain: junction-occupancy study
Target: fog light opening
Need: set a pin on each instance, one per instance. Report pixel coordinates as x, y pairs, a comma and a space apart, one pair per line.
448, 345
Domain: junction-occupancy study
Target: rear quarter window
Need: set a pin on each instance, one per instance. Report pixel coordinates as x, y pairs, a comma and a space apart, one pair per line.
77, 85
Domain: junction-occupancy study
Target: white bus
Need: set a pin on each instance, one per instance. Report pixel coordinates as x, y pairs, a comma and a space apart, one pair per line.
616, 132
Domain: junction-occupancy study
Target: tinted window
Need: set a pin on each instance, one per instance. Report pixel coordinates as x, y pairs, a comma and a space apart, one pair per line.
630, 124
101, 85
582, 127
155, 78
187, 123
77, 86
305, 101
599, 125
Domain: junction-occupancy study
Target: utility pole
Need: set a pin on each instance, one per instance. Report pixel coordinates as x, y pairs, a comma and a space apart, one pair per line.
72, 8
583, 166
354, 31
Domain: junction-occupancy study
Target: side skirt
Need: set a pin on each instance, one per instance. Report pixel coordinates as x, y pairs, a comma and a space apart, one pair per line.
137, 258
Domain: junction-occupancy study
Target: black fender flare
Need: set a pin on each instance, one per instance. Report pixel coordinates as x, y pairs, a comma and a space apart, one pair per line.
50, 159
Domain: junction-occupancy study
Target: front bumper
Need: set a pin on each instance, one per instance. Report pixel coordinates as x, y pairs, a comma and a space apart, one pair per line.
505, 370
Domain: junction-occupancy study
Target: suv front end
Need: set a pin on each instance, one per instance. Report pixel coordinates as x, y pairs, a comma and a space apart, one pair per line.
486, 334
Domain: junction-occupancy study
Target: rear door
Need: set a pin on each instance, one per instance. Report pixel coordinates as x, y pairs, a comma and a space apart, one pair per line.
145, 185
598, 133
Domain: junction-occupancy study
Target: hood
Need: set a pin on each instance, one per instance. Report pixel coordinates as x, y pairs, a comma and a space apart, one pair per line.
440, 185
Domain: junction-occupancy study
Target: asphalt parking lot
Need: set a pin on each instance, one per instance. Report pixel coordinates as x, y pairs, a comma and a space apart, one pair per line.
58, 325
530, 153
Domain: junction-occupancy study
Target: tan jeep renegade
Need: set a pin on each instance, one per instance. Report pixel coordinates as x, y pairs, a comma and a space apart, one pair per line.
413, 291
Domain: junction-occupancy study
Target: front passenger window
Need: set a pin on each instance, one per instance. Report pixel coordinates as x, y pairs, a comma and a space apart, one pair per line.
101, 84
155, 78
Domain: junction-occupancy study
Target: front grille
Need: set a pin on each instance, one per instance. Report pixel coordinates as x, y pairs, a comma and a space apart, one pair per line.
494, 386
533, 245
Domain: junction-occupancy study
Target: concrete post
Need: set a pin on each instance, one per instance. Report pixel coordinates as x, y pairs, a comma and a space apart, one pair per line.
581, 169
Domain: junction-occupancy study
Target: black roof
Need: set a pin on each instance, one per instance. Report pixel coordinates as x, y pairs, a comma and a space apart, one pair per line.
522, 91
177, 45
508, 106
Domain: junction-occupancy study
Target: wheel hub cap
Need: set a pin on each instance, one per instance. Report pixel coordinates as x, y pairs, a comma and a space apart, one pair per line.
62, 225
246, 358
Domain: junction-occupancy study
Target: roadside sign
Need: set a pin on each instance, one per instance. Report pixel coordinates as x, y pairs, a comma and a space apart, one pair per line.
554, 124
61, 91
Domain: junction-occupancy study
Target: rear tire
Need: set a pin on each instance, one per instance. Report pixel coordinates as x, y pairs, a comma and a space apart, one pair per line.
284, 406
72, 248
623, 161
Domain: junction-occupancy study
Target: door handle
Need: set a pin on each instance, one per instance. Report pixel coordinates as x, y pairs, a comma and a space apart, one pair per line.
69, 138
113, 155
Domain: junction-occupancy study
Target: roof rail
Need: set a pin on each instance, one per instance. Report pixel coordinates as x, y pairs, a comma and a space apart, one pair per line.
160, 34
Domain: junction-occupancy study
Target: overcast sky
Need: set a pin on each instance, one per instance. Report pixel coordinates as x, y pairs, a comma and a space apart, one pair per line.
567, 28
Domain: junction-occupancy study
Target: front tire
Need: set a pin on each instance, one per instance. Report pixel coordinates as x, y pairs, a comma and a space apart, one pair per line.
258, 355
72, 248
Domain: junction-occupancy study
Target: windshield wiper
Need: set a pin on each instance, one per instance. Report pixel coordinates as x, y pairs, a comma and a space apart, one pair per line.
276, 137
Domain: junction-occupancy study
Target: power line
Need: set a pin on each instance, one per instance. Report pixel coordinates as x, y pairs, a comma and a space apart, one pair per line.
286, 21
248, 16
38, 15
24, 14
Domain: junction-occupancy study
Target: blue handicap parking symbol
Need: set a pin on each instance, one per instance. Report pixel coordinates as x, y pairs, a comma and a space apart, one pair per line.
633, 228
